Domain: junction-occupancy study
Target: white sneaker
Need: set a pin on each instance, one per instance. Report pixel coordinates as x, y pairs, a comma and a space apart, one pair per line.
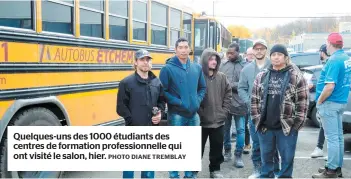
326, 158
317, 153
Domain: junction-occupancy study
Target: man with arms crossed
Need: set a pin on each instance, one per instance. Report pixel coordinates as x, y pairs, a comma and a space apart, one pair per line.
332, 92
184, 87
214, 109
140, 99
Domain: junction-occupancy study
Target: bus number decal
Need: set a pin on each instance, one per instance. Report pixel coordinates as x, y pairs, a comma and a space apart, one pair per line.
6, 51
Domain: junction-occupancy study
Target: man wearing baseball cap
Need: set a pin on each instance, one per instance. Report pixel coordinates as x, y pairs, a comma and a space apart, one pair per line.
139, 94
332, 92
246, 82
318, 151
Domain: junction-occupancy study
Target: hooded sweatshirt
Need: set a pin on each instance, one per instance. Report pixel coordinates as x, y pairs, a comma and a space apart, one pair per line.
290, 98
184, 86
247, 78
216, 104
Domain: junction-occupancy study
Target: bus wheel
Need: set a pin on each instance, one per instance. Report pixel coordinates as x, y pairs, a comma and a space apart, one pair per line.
37, 116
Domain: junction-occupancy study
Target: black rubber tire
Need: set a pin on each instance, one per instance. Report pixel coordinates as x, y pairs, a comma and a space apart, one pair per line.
314, 117
37, 116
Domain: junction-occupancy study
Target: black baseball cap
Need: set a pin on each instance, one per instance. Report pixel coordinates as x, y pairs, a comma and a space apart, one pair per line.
323, 48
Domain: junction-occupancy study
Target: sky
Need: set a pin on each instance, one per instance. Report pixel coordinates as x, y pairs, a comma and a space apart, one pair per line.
272, 8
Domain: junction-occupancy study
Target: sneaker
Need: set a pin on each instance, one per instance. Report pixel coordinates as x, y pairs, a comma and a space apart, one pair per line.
238, 162
326, 158
256, 173
327, 173
338, 171
247, 149
216, 174
317, 153
227, 155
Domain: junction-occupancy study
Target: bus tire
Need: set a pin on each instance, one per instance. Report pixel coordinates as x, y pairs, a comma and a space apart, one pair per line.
37, 116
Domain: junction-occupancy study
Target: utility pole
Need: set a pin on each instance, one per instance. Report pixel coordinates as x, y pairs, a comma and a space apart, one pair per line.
213, 6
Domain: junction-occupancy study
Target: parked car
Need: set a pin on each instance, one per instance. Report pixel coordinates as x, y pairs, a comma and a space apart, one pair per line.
312, 74
305, 59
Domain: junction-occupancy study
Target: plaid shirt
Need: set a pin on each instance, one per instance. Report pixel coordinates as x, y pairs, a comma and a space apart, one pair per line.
294, 106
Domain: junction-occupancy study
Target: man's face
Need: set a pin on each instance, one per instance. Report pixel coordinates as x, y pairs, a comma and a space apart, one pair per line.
278, 59
212, 63
250, 55
143, 64
232, 54
182, 51
260, 51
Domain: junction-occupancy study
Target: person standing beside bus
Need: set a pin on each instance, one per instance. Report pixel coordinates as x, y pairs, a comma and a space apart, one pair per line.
214, 109
140, 99
184, 88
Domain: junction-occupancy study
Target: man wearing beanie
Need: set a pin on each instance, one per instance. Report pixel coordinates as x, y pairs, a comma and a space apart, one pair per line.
247, 77
279, 106
332, 92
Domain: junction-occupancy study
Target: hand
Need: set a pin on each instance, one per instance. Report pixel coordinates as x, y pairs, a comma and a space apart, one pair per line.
156, 119
319, 102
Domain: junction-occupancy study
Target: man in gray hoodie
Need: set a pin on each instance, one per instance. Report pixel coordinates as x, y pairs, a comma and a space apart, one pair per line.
246, 82
214, 109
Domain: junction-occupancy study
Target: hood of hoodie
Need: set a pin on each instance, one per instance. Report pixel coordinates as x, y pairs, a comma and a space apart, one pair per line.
207, 53
287, 68
176, 62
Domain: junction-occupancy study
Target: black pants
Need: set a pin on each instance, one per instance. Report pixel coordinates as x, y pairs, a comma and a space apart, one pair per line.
216, 146
247, 132
321, 138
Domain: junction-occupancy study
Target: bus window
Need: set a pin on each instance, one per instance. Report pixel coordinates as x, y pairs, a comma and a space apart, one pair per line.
54, 23
91, 22
211, 37
158, 24
200, 36
19, 17
175, 26
118, 20
139, 20
187, 19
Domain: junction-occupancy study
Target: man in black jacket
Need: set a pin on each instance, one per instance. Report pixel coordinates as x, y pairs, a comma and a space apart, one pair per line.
140, 99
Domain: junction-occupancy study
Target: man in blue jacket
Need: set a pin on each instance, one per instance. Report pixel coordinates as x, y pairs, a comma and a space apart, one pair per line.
184, 88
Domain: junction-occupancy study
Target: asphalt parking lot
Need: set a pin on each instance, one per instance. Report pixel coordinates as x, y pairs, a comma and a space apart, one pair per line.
304, 165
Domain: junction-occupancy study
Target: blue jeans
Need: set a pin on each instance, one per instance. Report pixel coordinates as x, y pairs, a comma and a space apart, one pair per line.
330, 114
240, 133
177, 120
144, 174
256, 152
270, 140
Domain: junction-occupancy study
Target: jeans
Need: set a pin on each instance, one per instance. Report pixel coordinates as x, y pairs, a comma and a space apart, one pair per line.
178, 120
256, 152
216, 146
330, 114
321, 138
270, 140
247, 132
240, 133
144, 174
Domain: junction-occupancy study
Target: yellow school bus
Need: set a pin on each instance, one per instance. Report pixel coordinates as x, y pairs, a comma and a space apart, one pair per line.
61, 60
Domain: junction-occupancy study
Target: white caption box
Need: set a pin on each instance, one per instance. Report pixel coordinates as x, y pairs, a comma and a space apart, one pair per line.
108, 153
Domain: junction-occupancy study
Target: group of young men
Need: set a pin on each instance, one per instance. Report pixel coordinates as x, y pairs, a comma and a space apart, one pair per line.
271, 93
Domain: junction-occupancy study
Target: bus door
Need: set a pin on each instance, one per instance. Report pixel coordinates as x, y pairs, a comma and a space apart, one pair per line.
201, 37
